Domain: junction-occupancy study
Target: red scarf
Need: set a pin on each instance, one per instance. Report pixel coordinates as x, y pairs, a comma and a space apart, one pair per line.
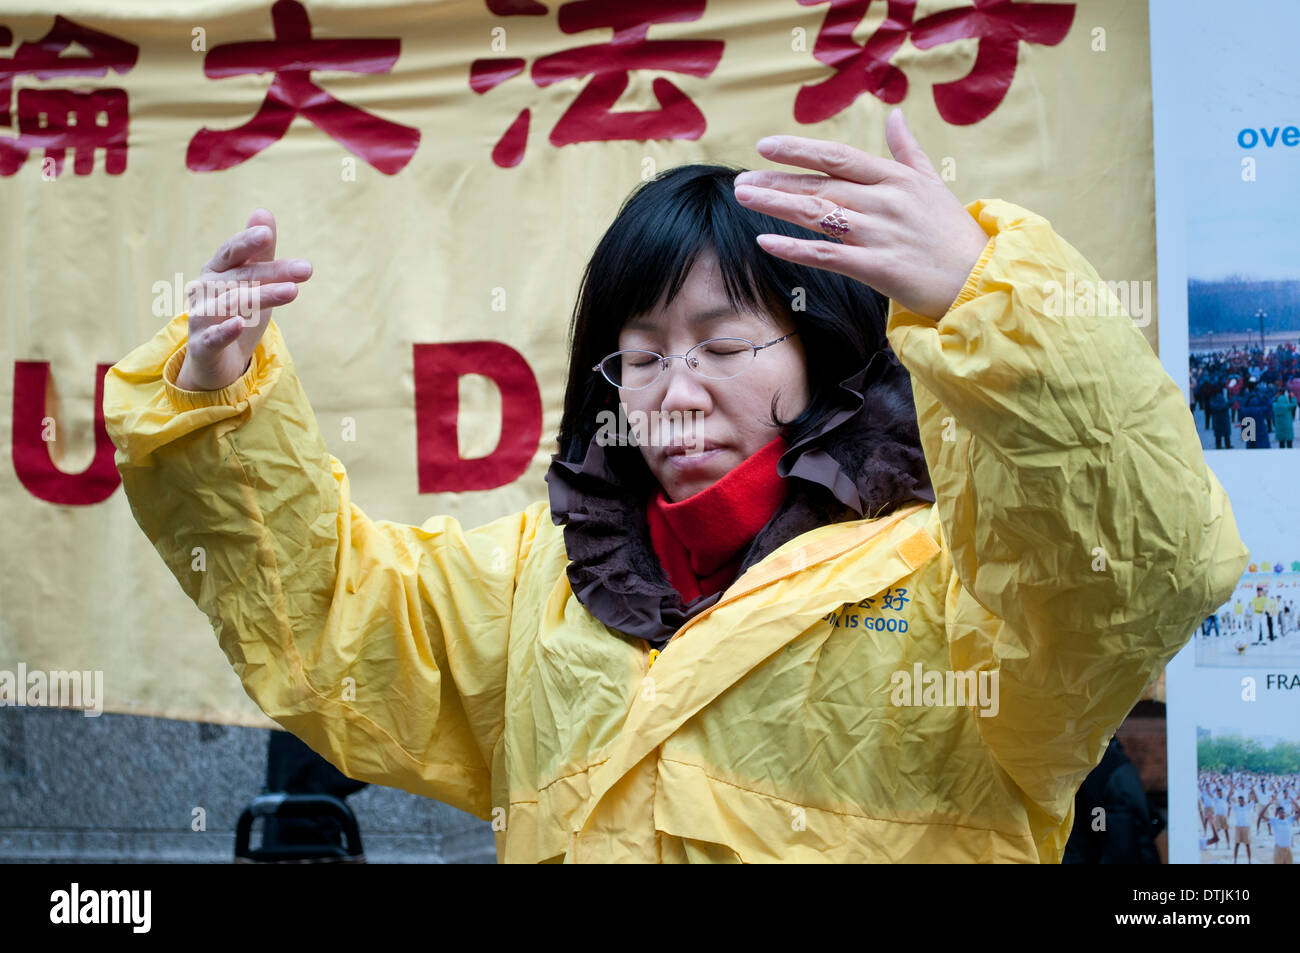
702, 539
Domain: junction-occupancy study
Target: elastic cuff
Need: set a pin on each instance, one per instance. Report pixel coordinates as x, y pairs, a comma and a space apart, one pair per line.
973, 279
182, 399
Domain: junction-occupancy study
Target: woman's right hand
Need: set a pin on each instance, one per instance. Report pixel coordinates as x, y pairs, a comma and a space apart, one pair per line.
230, 304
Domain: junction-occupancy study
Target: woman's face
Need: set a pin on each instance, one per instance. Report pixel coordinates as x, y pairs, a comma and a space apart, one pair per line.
700, 429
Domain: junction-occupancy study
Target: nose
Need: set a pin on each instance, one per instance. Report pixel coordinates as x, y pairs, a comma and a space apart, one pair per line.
683, 389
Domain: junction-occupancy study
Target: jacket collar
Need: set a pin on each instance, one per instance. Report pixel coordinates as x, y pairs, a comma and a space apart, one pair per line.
862, 462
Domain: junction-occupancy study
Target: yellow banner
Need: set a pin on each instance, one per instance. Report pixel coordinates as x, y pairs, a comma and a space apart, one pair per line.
447, 168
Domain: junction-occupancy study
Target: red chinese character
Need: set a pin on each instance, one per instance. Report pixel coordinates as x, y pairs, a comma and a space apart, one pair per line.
60, 119
999, 25
291, 56
591, 118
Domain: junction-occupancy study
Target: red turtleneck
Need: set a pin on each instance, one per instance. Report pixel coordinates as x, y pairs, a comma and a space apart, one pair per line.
702, 539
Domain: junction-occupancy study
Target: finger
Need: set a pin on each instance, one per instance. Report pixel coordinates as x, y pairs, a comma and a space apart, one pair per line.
239, 248
212, 284
786, 181
220, 336
835, 191
282, 269
821, 155
903, 145
829, 256
263, 216
224, 294
246, 300
805, 210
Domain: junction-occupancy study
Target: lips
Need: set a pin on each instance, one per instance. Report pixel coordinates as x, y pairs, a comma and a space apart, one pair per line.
684, 460
691, 449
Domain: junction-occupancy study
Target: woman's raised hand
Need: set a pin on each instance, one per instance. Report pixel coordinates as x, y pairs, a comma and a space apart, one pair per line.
230, 304
908, 236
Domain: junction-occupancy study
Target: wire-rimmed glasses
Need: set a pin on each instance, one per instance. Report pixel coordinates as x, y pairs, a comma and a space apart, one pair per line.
717, 359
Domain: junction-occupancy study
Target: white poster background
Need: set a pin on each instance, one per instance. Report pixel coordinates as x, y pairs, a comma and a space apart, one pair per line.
1217, 69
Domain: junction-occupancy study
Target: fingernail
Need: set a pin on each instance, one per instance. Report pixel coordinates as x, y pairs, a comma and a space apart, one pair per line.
300, 269
261, 233
744, 178
767, 143
744, 192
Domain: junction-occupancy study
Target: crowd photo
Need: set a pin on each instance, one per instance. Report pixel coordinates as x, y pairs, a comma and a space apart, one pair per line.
1247, 817
1246, 396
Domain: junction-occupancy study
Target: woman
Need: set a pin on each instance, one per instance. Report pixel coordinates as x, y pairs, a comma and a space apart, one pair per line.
1284, 407
810, 616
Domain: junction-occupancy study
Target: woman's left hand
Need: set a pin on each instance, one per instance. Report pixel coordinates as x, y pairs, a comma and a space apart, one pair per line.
909, 237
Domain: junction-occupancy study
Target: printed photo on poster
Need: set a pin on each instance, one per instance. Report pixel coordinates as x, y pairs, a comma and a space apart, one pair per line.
1259, 625
1248, 795
1243, 361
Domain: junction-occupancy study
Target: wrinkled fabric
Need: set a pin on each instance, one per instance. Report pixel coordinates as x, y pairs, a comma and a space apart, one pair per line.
1076, 539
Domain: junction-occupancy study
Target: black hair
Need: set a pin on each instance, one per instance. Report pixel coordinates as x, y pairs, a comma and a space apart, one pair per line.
648, 251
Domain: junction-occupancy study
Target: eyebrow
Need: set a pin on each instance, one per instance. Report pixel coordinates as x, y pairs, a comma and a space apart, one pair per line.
642, 322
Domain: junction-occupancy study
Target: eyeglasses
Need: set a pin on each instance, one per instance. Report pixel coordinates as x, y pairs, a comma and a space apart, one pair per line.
717, 359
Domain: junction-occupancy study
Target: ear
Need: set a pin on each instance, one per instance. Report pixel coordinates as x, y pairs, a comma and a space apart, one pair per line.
904, 147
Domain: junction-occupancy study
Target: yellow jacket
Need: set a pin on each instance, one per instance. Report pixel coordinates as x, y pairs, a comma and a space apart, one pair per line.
1077, 541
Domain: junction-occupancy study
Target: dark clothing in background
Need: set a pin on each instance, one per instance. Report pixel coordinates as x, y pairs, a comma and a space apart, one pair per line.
1130, 828
1221, 414
1260, 413
294, 768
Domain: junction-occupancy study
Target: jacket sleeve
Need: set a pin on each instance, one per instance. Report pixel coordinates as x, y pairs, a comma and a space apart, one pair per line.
381, 645
1087, 534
